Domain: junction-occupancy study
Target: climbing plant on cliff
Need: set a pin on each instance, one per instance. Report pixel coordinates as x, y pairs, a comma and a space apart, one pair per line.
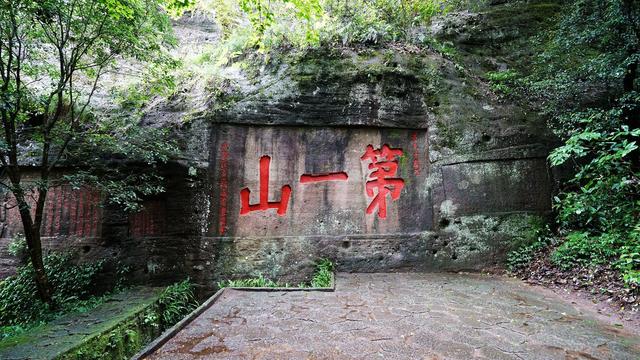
53, 56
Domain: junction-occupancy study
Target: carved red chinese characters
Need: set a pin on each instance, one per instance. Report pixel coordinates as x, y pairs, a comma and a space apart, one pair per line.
313, 178
264, 203
380, 182
384, 163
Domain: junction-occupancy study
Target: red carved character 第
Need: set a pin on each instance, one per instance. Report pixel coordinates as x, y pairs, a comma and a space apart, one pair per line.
384, 163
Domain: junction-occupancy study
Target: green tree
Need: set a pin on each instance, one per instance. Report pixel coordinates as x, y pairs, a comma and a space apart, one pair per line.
53, 54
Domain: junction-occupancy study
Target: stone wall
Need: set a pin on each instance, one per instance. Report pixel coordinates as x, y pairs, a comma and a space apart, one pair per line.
462, 213
73, 219
475, 181
369, 196
151, 243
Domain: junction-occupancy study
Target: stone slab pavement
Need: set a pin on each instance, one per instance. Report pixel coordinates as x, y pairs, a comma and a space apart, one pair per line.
400, 316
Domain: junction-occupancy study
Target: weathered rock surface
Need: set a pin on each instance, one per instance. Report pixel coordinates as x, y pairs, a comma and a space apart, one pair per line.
472, 166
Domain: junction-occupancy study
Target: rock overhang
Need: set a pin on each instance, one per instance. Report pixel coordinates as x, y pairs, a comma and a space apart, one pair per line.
321, 125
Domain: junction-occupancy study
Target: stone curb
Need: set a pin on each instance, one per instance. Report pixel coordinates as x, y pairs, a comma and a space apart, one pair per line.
172, 331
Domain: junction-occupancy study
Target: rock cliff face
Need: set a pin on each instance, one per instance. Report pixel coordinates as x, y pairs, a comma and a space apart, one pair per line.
384, 159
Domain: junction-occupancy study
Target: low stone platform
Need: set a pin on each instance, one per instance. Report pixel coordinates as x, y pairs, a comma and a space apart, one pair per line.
400, 316
72, 336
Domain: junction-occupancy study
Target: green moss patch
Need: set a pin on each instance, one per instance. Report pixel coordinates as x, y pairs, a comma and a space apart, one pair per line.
116, 329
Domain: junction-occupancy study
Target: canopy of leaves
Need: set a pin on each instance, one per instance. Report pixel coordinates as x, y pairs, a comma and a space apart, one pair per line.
314, 23
53, 55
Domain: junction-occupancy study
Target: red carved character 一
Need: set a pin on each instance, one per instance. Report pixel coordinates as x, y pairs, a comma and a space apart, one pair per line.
384, 163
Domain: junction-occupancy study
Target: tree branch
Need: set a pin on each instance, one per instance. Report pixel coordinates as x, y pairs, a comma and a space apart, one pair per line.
76, 120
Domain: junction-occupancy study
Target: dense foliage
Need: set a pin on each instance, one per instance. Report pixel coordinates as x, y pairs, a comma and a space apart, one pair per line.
74, 288
100, 158
324, 23
176, 302
586, 78
59, 64
53, 56
77, 288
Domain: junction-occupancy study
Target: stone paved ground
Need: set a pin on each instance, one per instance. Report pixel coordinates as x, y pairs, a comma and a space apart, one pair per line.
400, 316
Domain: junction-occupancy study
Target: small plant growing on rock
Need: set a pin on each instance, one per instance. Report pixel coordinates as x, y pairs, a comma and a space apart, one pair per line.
259, 281
323, 274
503, 82
321, 279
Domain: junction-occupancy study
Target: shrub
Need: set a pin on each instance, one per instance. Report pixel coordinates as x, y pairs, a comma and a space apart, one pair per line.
19, 302
18, 247
620, 249
599, 206
175, 302
603, 195
504, 82
310, 24
629, 263
323, 274
582, 248
519, 258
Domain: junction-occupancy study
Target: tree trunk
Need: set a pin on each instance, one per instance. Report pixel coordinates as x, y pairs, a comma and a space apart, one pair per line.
34, 244
631, 115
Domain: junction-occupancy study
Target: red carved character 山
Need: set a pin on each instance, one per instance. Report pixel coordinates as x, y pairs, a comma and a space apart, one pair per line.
264, 203
384, 163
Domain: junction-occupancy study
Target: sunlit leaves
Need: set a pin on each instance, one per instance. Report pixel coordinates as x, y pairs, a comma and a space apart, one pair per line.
312, 23
178, 7
264, 14
118, 9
